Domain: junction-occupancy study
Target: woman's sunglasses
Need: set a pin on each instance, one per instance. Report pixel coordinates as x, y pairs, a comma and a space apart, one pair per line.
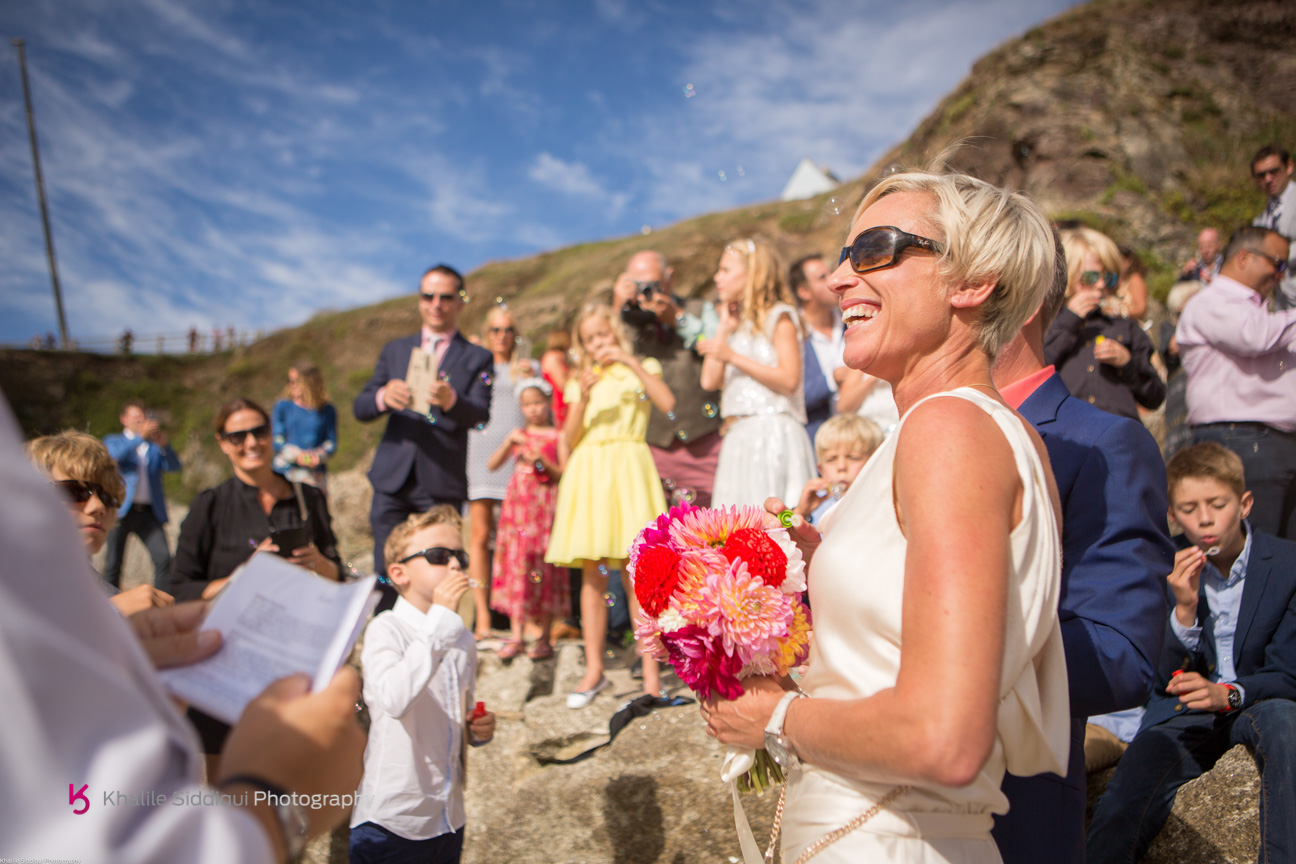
439, 556
881, 247
80, 491
1089, 278
239, 436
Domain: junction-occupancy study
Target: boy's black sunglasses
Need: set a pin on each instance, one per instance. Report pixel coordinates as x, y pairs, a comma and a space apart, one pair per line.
881, 247
237, 437
439, 556
80, 491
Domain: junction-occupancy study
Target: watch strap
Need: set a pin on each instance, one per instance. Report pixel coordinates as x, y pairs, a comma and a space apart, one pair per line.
775, 725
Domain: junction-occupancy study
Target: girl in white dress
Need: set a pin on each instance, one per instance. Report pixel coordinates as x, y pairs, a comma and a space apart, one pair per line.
937, 659
756, 356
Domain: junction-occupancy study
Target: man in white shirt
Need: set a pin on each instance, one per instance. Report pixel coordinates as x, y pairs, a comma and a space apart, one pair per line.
1271, 168
96, 763
825, 338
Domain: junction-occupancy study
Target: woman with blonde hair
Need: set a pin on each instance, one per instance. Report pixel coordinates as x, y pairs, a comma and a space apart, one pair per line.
304, 424
1102, 356
937, 662
609, 488
756, 357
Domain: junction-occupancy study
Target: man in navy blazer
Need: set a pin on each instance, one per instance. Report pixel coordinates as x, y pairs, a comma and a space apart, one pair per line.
143, 455
822, 346
421, 460
1115, 552
1227, 674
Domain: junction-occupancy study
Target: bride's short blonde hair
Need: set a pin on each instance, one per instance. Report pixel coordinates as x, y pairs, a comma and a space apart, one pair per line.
990, 235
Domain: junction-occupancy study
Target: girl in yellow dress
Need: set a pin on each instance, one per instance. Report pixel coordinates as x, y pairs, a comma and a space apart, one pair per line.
609, 490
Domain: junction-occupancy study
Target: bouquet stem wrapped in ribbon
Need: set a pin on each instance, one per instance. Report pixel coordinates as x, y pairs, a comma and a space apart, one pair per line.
721, 600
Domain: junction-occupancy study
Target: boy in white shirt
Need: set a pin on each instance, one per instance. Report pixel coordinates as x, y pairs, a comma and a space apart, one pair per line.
420, 665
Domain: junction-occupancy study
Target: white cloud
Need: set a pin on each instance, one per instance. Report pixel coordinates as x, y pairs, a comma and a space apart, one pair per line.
569, 178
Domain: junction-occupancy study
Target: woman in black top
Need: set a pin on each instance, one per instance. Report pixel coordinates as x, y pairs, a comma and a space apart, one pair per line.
1103, 357
229, 522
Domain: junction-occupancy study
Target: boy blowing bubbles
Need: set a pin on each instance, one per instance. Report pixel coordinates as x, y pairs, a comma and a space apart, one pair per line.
1210, 512
420, 663
842, 445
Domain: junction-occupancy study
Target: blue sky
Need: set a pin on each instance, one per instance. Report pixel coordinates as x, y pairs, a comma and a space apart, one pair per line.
251, 163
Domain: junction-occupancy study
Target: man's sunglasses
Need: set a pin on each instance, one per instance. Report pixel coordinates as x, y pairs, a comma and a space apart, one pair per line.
1280, 266
439, 298
1268, 172
80, 491
439, 556
239, 436
1089, 278
495, 331
881, 247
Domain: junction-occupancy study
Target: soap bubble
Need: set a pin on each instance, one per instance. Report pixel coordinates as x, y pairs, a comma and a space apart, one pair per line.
443, 375
721, 175
893, 168
709, 409
486, 378
603, 570
645, 229
642, 395
834, 205
670, 415
689, 92
431, 418
480, 426
741, 172
683, 435
535, 577
609, 598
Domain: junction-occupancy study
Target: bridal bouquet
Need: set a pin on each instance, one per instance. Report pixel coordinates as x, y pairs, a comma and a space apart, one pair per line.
721, 600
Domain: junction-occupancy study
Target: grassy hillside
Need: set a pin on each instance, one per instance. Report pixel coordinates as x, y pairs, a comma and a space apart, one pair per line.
1135, 116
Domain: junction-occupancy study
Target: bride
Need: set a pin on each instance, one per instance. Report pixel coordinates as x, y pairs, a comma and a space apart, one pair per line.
937, 659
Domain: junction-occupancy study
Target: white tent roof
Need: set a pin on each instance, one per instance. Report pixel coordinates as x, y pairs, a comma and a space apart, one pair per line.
807, 181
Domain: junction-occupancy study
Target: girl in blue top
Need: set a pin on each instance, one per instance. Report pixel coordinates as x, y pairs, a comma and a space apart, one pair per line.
305, 427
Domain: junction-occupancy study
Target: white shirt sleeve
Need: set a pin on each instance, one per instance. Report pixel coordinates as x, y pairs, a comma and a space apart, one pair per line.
84, 711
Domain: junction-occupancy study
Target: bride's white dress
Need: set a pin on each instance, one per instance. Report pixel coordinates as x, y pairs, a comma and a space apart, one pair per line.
856, 586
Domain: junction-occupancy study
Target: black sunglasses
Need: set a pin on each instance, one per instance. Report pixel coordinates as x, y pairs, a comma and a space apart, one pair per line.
439, 556
439, 298
1261, 175
1092, 277
497, 330
1280, 266
80, 491
881, 247
239, 436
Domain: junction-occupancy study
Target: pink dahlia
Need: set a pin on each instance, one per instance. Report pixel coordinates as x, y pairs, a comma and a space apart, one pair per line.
695, 566
700, 663
748, 615
702, 527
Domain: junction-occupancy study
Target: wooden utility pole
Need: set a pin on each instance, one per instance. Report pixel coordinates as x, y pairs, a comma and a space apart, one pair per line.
40, 195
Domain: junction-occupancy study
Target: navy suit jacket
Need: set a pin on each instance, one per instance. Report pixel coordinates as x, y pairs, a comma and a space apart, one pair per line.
435, 452
159, 460
1116, 553
1264, 643
818, 396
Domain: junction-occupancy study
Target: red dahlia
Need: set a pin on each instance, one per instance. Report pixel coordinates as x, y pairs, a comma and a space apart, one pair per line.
763, 556
656, 574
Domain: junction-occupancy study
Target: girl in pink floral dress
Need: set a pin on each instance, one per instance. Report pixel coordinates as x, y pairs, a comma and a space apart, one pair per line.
523, 586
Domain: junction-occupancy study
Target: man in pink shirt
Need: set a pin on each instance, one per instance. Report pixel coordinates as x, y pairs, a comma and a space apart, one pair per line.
1240, 359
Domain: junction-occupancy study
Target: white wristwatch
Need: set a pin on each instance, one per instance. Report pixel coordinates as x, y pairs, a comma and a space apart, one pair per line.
775, 744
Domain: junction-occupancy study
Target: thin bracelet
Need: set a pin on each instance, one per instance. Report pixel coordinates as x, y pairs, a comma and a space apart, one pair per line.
255, 781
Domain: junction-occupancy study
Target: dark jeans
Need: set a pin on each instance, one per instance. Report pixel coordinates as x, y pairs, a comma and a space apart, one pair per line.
1269, 458
140, 521
373, 844
1162, 758
388, 511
